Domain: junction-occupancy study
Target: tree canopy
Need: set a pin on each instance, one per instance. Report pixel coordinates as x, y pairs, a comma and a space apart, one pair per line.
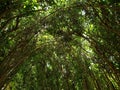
59, 45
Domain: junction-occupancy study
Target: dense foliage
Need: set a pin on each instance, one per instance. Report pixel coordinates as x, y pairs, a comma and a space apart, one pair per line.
60, 44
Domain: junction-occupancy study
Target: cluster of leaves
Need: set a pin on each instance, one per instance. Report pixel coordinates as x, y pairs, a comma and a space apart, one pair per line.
59, 44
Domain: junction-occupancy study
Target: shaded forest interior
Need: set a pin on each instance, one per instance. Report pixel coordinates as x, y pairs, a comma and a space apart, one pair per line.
59, 44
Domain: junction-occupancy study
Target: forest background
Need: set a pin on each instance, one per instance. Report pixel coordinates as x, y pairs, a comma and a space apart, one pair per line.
59, 45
